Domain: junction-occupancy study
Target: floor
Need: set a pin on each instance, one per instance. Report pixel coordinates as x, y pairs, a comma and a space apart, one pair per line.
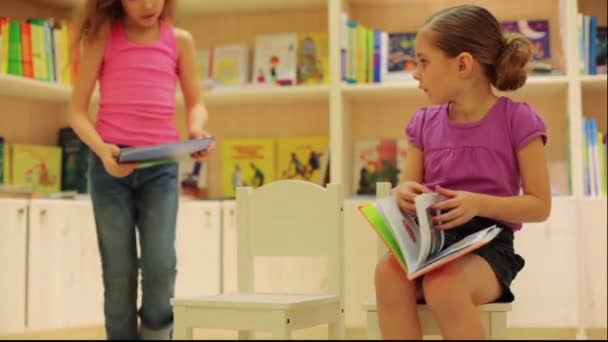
97, 333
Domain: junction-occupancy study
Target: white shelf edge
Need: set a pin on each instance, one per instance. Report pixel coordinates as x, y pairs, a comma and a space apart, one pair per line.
262, 95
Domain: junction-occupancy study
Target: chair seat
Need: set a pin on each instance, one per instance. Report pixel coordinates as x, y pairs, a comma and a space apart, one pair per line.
492, 307
257, 301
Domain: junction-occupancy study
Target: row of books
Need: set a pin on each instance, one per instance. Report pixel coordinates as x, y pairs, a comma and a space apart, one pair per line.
373, 56
593, 45
278, 59
594, 158
38, 48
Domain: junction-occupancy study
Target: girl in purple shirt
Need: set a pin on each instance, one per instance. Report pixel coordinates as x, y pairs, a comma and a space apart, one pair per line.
485, 154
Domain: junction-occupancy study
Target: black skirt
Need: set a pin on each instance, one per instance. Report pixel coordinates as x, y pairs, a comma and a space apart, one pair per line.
499, 252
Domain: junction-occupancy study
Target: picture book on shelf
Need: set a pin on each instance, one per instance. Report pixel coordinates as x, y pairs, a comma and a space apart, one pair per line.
230, 64
418, 247
301, 157
37, 167
313, 58
246, 162
377, 160
275, 59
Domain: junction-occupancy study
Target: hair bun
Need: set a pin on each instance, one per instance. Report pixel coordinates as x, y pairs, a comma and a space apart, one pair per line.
511, 64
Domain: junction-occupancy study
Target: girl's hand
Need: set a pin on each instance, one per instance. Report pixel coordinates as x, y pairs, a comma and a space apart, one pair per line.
406, 193
462, 206
199, 134
109, 157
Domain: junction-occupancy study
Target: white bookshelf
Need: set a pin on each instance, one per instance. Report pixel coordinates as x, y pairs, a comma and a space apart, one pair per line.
349, 111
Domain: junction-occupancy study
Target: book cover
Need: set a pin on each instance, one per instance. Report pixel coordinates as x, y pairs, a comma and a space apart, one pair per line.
417, 246
246, 162
601, 56
163, 151
275, 59
401, 55
230, 64
37, 167
75, 161
374, 160
313, 58
300, 157
537, 32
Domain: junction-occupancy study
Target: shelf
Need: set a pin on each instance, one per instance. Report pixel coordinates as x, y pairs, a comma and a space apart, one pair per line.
264, 95
30, 89
535, 85
594, 82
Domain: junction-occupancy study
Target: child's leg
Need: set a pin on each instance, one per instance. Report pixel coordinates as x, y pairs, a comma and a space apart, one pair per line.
396, 298
156, 201
453, 291
114, 211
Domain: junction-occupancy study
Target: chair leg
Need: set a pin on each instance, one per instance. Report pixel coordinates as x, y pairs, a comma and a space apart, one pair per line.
180, 330
336, 329
498, 325
245, 335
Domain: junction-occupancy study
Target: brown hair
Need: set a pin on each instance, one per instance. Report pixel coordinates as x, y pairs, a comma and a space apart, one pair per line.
98, 12
473, 29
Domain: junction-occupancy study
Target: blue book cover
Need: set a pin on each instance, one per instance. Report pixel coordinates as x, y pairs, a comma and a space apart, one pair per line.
163, 151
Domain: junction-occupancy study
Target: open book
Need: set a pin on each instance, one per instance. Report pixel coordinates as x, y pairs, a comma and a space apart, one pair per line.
163, 151
419, 248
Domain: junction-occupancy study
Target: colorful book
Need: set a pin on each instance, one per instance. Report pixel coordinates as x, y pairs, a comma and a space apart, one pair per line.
163, 151
246, 162
313, 58
37, 167
300, 157
193, 178
375, 160
275, 60
230, 64
416, 244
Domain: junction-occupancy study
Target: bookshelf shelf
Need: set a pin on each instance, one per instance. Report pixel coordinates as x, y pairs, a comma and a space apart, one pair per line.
30, 89
594, 82
536, 85
272, 95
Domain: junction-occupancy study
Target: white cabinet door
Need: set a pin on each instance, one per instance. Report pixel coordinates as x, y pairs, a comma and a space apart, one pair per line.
271, 274
198, 248
546, 290
13, 226
64, 272
593, 262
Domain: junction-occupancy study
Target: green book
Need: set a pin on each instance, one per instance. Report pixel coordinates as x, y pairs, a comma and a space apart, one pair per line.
15, 66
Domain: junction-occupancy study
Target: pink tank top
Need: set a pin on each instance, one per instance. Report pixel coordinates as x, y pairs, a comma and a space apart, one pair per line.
137, 84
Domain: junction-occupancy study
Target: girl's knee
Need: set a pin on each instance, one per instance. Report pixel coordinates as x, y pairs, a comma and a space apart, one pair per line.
442, 286
388, 270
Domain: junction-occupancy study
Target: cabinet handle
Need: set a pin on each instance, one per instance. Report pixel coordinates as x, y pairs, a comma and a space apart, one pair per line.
21, 211
42, 212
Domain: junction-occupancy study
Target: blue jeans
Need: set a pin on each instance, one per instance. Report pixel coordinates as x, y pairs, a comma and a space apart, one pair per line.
146, 199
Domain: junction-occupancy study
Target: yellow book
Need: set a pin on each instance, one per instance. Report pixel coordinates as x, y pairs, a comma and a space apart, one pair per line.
5, 29
300, 157
313, 58
38, 51
37, 166
66, 63
246, 162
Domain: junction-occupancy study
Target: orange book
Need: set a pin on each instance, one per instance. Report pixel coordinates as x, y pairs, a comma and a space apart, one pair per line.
26, 49
418, 247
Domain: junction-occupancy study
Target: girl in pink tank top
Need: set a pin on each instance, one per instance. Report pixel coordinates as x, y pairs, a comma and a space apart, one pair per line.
138, 57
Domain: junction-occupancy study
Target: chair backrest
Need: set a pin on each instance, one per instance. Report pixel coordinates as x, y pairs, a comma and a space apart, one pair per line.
290, 218
383, 189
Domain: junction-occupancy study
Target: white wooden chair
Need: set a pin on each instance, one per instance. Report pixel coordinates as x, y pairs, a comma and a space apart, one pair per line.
494, 316
282, 218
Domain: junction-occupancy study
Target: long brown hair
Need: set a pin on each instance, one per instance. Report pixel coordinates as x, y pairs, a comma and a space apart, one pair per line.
473, 29
96, 13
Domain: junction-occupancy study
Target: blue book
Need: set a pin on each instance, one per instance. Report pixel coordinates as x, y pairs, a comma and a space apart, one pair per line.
163, 151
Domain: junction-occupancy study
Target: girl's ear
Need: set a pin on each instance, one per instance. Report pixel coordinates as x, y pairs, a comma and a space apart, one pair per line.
465, 63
